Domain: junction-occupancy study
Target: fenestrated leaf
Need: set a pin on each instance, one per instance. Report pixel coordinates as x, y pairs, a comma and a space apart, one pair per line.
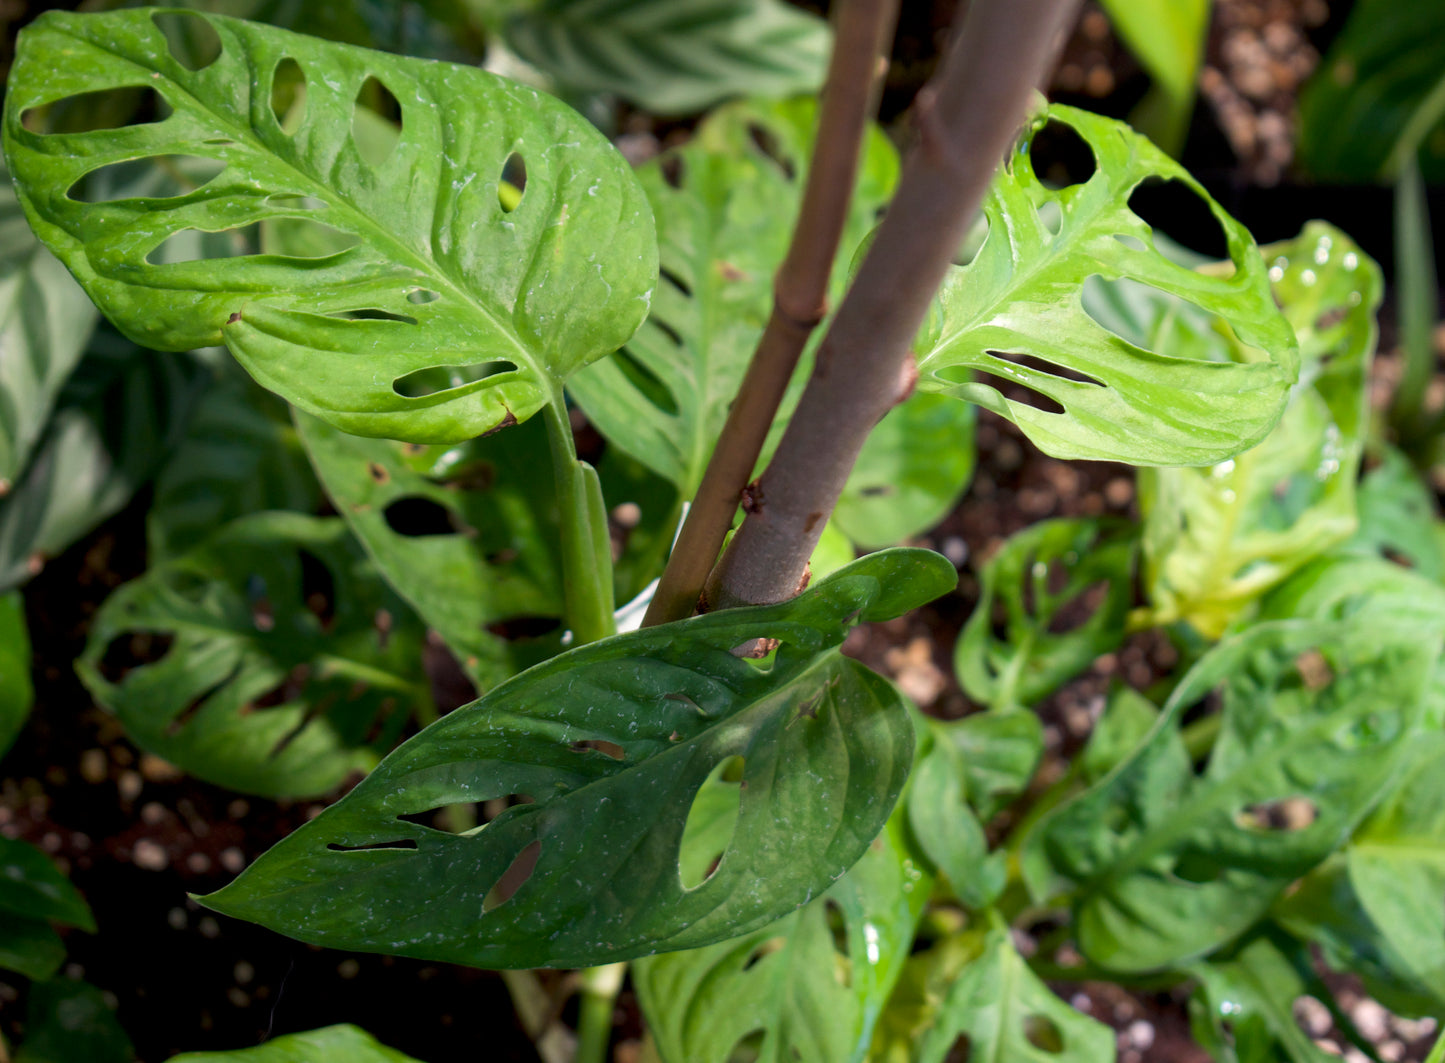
999, 752
287, 664
1167, 866
331, 1044
947, 830
118, 416
1015, 312
1217, 538
912, 469
16, 692
439, 274
723, 229
814, 982
45, 321
1037, 574
240, 455
1398, 517
1009, 1016
825, 745
674, 56
69, 1020
467, 534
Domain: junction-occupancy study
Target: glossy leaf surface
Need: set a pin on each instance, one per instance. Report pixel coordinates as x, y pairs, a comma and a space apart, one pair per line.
16, 691
1243, 1009
69, 1020
814, 982
1015, 312
1009, 1016
1216, 538
419, 265
1168, 38
34, 895
723, 229
1168, 866
674, 56
825, 746
286, 663
1040, 576
331, 1044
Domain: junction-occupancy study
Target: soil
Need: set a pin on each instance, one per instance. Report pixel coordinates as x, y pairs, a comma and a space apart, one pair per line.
136, 836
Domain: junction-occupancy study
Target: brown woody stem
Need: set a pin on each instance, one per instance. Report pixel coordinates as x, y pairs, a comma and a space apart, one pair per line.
799, 302
967, 118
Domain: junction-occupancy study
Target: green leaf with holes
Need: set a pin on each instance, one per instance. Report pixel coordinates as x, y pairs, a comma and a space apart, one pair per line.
601, 752
674, 56
1378, 96
284, 664
116, 419
1216, 538
33, 896
948, 831
45, 323
16, 692
723, 229
1040, 577
1165, 866
240, 454
807, 987
331, 1044
1398, 517
421, 268
1015, 312
1007, 1015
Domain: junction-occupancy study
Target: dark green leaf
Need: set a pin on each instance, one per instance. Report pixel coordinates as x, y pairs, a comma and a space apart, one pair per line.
1168, 866
813, 983
1217, 538
999, 752
437, 274
1014, 311
286, 664
723, 229
331, 1044
32, 886
69, 1021
674, 56
16, 691
30, 947
825, 745
947, 829
1128, 718
1043, 576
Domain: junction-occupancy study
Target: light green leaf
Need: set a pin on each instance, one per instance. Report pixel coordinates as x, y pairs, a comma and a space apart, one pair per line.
1127, 720
1009, 1016
1036, 575
1167, 37
45, 321
240, 455
1015, 312
674, 56
69, 1020
999, 752
1398, 517
1167, 866
913, 467
1378, 96
331, 1044
438, 274
612, 742
948, 831
16, 691
1215, 539
286, 664
812, 984
723, 229
118, 416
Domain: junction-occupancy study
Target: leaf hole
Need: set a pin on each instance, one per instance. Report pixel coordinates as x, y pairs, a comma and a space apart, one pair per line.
1314, 671
755, 649
95, 112
675, 279
1178, 211
123, 180
838, 933
646, 381
1131, 242
437, 379
1285, 815
673, 168
514, 878
131, 650
1043, 1033
1078, 610
318, 590
288, 95
763, 951
1048, 368
1199, 868
375, 122
523, 628
293, 201
600, 745
1010, 389
192, 40
749, 1048
667, 330
766, 142
400, 843
372, 313
415, 516
476, 475
1060, 157
974, 241
495, 806
180, 720
961, 1051
512, 183
711, 820
289, 689
422, 296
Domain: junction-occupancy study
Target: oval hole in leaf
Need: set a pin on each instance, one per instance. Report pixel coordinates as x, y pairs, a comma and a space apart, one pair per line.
92, 112
673, 168
838, 932
1060, 157
292, 201
376, 122
288, 95
748, 1048
318, 589
1131, 242
646, 381
114, 182
192, 40
1197, 867
514, 878
522, 628
422, 296
1010, 389
961, 1051
132, 650
764, 140
512, 183
434, 380
400, 843
1286, 814
677, 282
372, 313
600, 745
1175, 209
1077, 611
414, 516
763, 951
708, 830
1043, 1033
974, 241
179, 721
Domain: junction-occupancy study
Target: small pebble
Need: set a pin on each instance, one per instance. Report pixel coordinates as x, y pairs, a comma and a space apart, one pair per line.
129, 785
93, 766
348, 968
149, 856
233, 860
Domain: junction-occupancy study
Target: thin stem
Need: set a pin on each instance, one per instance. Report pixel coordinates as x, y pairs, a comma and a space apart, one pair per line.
586, 555
800, 292
1415, 275
599, 986
967, 118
